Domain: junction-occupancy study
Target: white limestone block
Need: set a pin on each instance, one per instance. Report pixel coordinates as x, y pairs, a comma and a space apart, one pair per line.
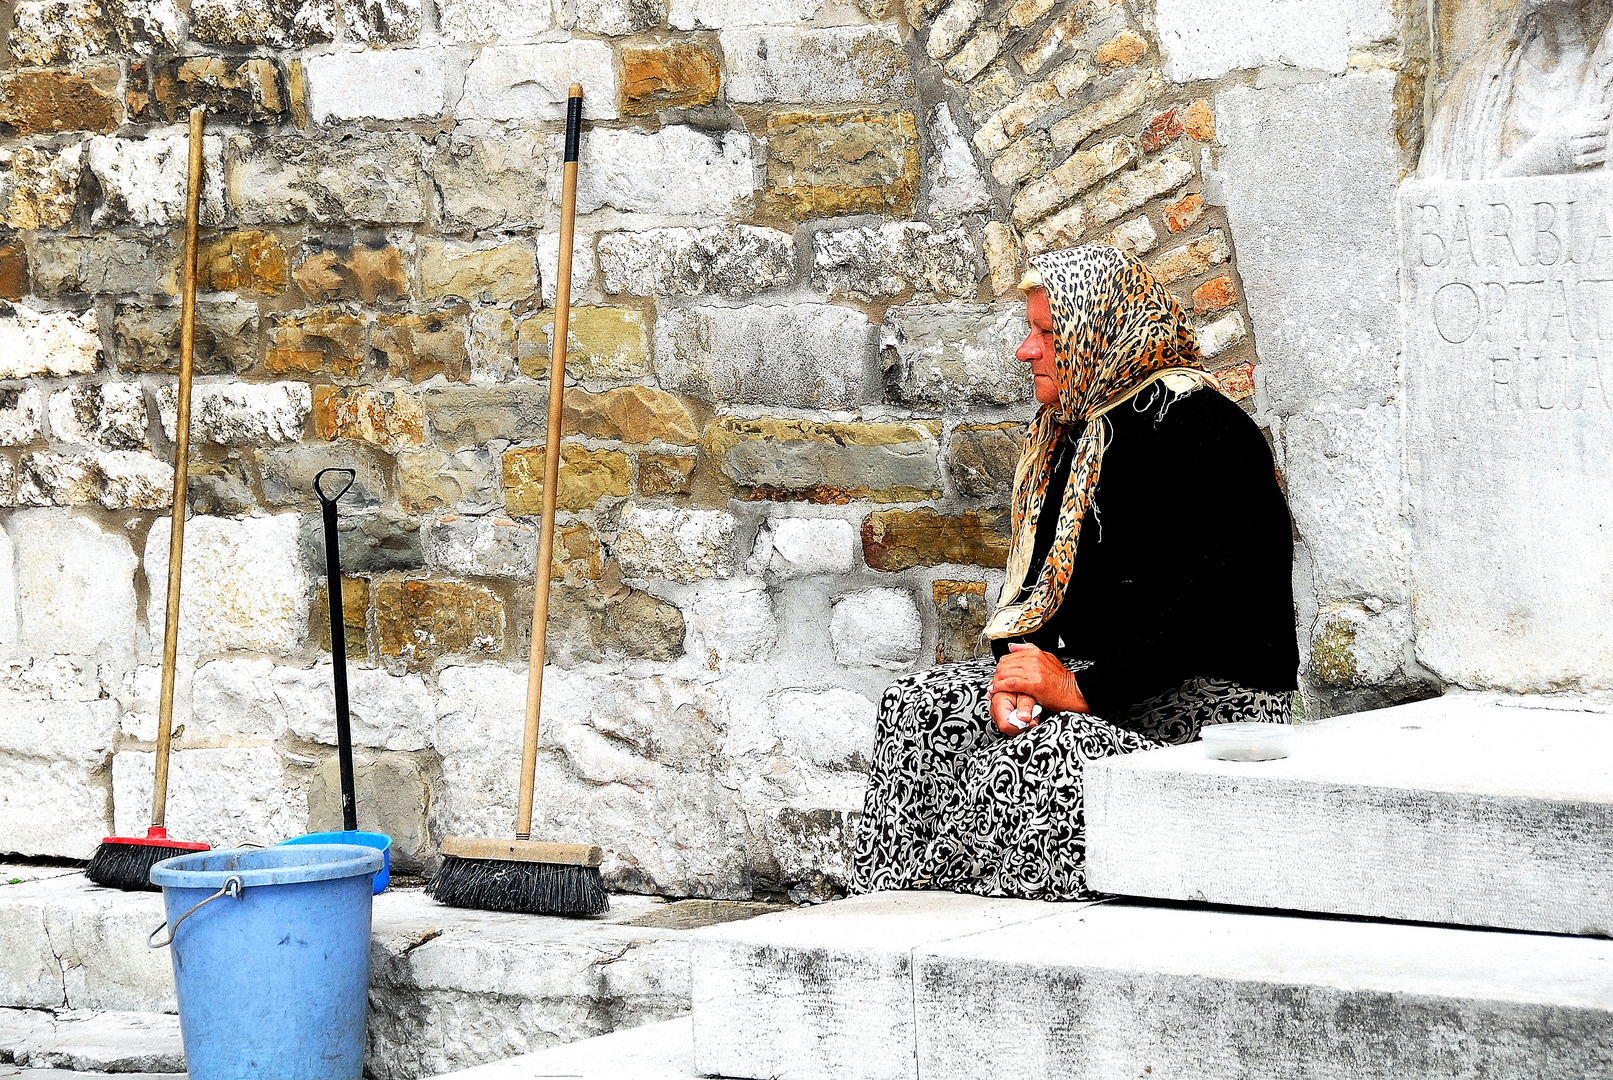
807, 355
235, 414
508, 21
75, 585
227, 796
143, 181
243, 585
728, 14
1205, 39
651, 172
956, 184
74, 945
584, 271
734, 621
823, 66
1105, 990
53, 757
1494, 813
387, 712
675, 545
8, 601
826, 993
876, 628
21, 411
529, 82
47, 342
377, 84
796, 546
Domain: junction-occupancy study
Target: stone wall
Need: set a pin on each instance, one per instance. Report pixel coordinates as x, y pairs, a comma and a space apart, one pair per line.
791, 410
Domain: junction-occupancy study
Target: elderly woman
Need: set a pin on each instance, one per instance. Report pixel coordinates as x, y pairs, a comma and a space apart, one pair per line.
1147, 595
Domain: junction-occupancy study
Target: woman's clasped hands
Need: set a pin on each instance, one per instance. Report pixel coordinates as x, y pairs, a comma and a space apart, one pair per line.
1028, 685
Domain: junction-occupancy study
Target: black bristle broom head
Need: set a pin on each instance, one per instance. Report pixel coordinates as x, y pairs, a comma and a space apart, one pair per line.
125, 862
522, 888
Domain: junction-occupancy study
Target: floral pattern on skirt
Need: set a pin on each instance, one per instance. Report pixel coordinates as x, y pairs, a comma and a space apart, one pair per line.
953, 804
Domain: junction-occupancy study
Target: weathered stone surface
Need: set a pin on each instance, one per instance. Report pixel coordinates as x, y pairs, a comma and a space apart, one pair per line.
499, 180
1301, 304
13, 270
1080, 171
1121, 51
1023, 157
374, 178
619, 16
45, 102
1205, 42
239, 414
826, 462
392, 420
826, 66
377, 84
529, 82
951, 27
263, 22
421, 621
479, 271
949, 356
472, 21
877, 628
812, 355
961, 613
1002, 257
732, 260
355, 616
633, 414
956, 185
603, 344
288, 474
469, 417
53, 31
222, 609
21, 410
1130, 190
392, 792
673, 75
116, 479
1105, 112
369, 543
829, 164
675, 545
1217, 337
584, 274
1506, 305
734, 624
326, 339
903, 539
798, 546
1200, 121
231, 88
143, 181
1192, 259
976, 53
586, 476
587, 625
103, 264
1185, 213
377, 21
46, 343
1136, 236
389, 712
648, 172
75, 586
419, 347
888, 260
52, 756
108, 415
227, 336
1007, 123
356, 272
232, 796
1161, 130
1217, 294
431, 479
665, 474
726, 14
482, 546
249, 261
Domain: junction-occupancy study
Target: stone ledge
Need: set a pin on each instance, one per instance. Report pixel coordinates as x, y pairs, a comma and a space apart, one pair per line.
1462, 810
662, 1051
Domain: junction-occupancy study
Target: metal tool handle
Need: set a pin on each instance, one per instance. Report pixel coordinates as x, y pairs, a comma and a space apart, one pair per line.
232, 887
338, 643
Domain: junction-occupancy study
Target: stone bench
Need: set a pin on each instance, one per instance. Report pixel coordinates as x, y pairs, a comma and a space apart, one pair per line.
1461, 809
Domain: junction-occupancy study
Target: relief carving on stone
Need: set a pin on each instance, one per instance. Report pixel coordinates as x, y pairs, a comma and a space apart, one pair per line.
1534, 101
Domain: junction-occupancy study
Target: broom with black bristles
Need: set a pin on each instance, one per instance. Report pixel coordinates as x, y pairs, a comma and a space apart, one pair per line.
125, 862
523, 875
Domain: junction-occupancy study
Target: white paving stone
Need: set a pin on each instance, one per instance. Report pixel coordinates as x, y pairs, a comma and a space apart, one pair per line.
377, 84
877, 628
1129, 990
222, 606
1205, 39
75, 585
226, 797
1495, 813
826, 993
649, 172
47, 342
101, 1042
529, 82
827, 66
811, 355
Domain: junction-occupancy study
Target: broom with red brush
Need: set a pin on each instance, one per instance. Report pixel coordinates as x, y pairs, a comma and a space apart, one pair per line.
125, 862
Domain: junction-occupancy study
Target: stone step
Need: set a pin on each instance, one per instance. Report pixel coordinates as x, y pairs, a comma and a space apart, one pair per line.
449, 988
108, 1042
859, 991
662, 1051
1462, 810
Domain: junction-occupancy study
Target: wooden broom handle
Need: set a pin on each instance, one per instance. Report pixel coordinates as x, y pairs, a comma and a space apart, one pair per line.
551, 463
176, 531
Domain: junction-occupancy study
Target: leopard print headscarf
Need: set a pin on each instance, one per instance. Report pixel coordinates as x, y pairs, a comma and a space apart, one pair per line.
1116, 331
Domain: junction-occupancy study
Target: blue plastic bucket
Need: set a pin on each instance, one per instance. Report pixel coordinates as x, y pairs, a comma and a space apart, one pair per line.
379, 841
271, 954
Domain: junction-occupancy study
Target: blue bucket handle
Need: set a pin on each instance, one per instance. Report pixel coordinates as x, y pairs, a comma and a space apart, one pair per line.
232, 887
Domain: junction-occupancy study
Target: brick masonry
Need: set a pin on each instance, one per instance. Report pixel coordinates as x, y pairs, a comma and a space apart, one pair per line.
796, 231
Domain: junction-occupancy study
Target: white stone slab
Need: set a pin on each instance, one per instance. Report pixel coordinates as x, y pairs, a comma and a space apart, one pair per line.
663, 1051
1456, 810
1133, 991
1205, 39
108, 1042
1509, 407
827, 993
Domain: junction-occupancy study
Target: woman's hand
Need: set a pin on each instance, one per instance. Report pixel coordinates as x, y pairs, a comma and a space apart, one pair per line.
1014, 713
1029, 672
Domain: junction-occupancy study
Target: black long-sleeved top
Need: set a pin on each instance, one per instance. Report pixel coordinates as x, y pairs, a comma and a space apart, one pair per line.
1183, 566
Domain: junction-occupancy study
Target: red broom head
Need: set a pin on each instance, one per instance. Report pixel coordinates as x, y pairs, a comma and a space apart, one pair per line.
156, 836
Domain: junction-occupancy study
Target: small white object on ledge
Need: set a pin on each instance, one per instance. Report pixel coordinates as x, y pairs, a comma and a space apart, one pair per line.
1246, 741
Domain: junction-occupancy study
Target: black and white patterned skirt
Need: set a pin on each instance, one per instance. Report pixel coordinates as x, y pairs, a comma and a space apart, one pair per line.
953, 804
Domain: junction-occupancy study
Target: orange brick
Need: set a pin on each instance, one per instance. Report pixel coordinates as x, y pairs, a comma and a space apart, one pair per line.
1161, 131
1122, 50
1238, 381
1184, 214
1214, 295
1200, 121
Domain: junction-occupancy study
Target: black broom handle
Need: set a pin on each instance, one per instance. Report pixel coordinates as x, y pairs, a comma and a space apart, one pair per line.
338, 644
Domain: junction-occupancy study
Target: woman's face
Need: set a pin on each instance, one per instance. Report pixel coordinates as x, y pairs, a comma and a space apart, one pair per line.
1037, 350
